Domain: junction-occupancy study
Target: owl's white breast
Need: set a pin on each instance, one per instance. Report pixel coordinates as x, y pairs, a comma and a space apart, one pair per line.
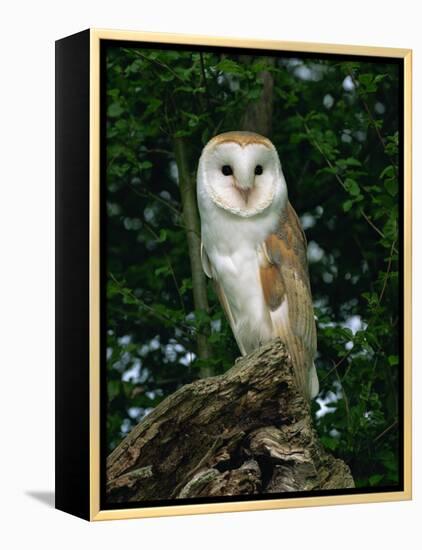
231, 243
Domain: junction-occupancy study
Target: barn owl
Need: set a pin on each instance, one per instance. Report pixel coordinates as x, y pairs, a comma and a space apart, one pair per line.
253, 247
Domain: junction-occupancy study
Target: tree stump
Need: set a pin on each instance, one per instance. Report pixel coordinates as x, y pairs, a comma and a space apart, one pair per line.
246, 432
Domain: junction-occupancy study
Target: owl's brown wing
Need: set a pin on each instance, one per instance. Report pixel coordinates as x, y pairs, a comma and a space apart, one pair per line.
287, 293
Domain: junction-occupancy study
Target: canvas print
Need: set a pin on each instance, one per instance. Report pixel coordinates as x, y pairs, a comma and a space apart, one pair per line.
251, 274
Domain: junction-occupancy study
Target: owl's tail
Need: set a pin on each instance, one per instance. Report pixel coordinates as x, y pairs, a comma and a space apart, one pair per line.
313, 382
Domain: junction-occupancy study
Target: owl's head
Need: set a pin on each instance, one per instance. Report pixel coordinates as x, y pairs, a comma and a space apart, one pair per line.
241, 173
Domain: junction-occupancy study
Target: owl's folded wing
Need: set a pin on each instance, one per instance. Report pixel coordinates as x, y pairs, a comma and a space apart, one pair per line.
209, 272
285, 284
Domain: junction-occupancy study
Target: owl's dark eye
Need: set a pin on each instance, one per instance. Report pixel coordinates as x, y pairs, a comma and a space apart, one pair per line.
227, 170
258, 170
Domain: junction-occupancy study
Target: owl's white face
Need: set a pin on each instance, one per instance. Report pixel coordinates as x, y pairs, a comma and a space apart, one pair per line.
241, 173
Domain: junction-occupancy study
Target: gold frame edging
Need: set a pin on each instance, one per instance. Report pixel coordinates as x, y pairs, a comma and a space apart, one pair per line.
96, 514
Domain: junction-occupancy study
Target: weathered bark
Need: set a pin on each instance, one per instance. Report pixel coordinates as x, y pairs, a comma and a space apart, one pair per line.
246, 432
193, 236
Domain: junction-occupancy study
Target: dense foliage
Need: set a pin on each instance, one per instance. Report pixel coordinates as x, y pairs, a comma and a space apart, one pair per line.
336, 127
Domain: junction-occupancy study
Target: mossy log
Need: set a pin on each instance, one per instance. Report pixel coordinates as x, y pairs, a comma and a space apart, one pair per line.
246, 432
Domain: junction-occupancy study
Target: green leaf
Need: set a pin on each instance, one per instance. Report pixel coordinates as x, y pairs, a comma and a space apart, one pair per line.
164, 270
254, 93
113, 388
230, 66
388, 172
365, 79
352, 187
145, 164
391, 186
193, 121
379, 78
347, 205
153, 105
329, 443
352, 162
375, 479
129, 299
182, 133
367, 83
162, 236
115, 110
166, 76
186, 285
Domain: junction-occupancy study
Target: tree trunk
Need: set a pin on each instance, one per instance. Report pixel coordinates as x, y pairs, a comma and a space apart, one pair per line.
246, 432
193, 236
259, 114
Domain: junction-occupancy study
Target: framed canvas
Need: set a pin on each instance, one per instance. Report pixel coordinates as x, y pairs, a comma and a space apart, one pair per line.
233, 274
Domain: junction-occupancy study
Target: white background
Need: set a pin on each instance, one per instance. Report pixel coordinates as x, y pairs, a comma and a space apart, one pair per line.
28, 31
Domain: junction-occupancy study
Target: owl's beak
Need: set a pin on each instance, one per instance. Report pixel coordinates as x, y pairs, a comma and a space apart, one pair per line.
244, 192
